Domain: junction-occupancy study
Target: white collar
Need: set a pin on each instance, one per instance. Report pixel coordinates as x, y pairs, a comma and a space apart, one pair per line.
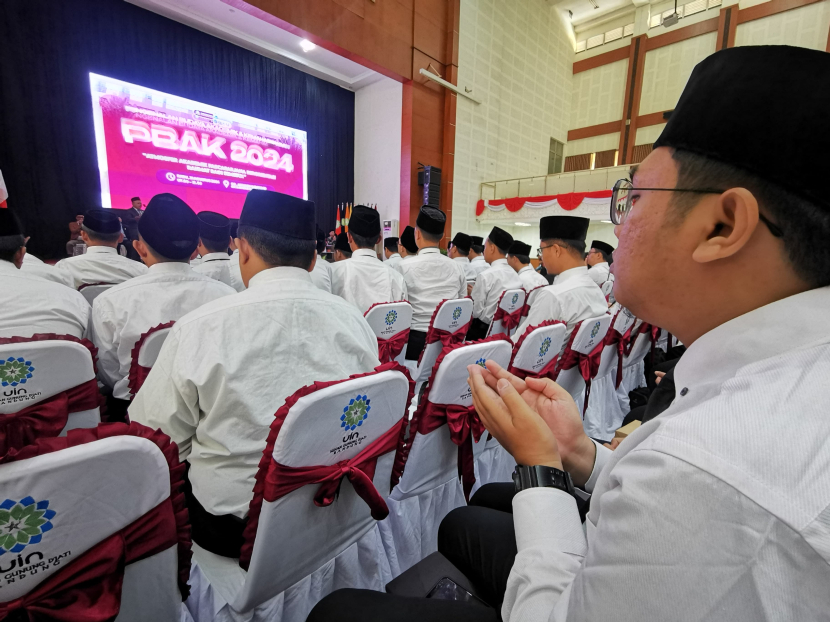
170, 267
499, 262
281, 273
216, 257
601, 263
429, 251
477, 258
393, 255
408, 257
569, 274
100, 250
526, 268
365, 252
461, 259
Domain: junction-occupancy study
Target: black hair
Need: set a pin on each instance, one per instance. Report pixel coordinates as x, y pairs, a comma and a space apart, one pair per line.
804, 225
9, 245
477, 248
104, 238
503, 251
461, 251
363, 241
523, 259
435, 238
159, 256
276, 249
574, 247
391, 244
215, 246
606, 257
347, 254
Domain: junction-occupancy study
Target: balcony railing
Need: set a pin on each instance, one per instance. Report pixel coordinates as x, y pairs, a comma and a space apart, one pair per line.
547, 185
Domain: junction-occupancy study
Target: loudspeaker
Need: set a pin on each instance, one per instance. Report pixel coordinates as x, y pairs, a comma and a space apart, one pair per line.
430, 179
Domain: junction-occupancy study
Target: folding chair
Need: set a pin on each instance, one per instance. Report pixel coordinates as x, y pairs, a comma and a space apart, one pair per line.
95, 524
508, 312
536, 354
145, 352
91, 291
637, 344
390, 321
445, 439
47, 387
580, 360
333, 453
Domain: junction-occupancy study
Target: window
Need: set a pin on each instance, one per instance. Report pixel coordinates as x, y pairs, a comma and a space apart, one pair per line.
655, 21
617, 33
628, 30
694, 7
555, 158
596, 41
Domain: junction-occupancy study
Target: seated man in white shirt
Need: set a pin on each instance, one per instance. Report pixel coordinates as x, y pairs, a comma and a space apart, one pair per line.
492, 282
32, 304
102, 233
716, 509
214, 241
321, 274
406, 246
430, 277
233, 264
390, 252
228, 367
342, 249
599, 262
364, 280
477, 262
168, 235
573, 297
518, 256
37, 267
459, 251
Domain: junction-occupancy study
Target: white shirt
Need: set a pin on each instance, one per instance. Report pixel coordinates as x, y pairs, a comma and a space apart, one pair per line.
235, 273
478, 264
600, 273
717, 509
408, 258
216, 266
530, 278
321, 274
490, 285
124, 312
34, 305
573, 297
225, 370
33, 265
100, 264
364, 280
469, 273
394, 260
430, 278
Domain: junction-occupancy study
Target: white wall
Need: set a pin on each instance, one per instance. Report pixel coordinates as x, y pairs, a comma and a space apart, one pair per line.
805, 27
377, 146
518, 58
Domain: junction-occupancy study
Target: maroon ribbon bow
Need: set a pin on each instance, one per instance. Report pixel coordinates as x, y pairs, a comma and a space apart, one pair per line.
588, 367
508, 320
546, 372
446, 337
389, 349
45, 419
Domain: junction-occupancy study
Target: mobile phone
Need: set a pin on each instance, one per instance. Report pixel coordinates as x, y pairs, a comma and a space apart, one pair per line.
447, 589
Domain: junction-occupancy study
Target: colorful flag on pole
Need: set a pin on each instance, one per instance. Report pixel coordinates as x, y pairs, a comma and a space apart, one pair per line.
348, 215
337, 222
3, 192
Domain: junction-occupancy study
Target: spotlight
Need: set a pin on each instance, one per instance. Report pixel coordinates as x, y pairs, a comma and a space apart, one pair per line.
307, 45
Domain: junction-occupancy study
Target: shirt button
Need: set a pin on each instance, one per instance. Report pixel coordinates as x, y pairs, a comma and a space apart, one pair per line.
684, 391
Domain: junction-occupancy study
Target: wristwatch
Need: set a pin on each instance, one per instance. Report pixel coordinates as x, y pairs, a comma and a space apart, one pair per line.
525, 477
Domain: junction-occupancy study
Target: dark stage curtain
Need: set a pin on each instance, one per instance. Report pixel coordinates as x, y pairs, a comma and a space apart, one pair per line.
47, 141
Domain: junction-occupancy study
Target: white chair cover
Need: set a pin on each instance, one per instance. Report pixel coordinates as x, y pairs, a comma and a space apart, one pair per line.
449, 317
586, 336
633, 376
537, 349
76, 497
430, 486
390, 321
508, 312
91, 291
36, 369
144, 354
318, 549
531, 296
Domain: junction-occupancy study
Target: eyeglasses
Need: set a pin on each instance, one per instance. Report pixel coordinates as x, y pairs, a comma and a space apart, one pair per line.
621, 202
541, 248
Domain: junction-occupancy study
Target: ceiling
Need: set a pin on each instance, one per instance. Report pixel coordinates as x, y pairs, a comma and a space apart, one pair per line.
584, 11
241, 24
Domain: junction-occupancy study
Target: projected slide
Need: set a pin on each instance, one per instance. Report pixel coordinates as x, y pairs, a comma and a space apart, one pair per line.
150, 142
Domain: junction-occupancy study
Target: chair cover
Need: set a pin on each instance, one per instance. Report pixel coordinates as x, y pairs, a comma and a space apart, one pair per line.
448, 326
91, 291
334, 451
580, 360
537, 352
638, 345
145, 352
444, 432
508, 312
47, 387
603, 414
531, 295
390, 321
95, 528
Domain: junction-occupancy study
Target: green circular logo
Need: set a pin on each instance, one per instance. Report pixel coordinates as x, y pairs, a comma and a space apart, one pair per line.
456, 313
391, 317
595, 330
545, 346
14, 371
514, 299
355, 413
23, 523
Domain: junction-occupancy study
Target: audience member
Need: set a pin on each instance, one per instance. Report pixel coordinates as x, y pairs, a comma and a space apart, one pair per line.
365, 280
101, 232
407, 246
599, 261
342, 248
518, 256
233, 263
321, 274
390, 252
492, 282
34, 266
477, 262
168, 234
214, 241
226, 368
460, 252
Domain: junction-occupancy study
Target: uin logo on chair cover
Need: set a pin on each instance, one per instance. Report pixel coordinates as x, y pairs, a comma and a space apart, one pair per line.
14, 371
514, 299
456, 313
595, 330
355, 413
543, 349
23, 523
391, 317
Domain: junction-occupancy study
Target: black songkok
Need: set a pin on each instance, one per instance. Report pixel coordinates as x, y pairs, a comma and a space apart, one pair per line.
431, 220
408, 240
364, 222
519, 248
391, 244
170, 227
500, 238
563, 228
102, 221
602, 246
279, 213
213, 226
462, 242
342, 243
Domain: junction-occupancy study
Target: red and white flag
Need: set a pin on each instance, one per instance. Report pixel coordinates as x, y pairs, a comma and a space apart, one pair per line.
4, 194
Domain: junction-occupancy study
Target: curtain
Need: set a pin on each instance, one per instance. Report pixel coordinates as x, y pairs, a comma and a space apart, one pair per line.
47, 142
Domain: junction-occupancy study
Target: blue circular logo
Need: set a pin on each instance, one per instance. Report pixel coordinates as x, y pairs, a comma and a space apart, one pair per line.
595, 330
355, 413
391, 317
543, 349
14, 371
456, 313
515, 298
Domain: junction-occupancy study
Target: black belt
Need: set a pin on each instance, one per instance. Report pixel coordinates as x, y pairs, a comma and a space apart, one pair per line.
222, 535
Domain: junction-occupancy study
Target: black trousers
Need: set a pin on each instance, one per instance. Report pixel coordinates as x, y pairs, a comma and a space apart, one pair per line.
478, 539
116, 410
415, 345
478, 330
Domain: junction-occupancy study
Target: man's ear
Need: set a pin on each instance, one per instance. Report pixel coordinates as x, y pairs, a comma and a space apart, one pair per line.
244, 251
727, 222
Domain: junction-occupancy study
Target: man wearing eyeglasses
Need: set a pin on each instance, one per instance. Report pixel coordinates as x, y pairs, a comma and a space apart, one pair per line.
718, 508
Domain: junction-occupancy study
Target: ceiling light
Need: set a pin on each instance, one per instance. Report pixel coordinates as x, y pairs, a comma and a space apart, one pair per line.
307, 45
607, 221
522, 224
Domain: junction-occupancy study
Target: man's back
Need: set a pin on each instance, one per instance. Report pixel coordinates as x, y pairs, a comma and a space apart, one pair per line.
100, 264
600, 273
478, 264
364, 280
530, 278
33, 265
216, 266
321, 274
123, 313
430, 278
489, 287
226, 369
34, 305
469, 273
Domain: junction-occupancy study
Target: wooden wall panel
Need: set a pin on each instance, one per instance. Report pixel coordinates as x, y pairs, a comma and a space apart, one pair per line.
581, 162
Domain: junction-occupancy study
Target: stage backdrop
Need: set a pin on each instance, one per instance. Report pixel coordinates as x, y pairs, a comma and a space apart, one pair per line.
47, 138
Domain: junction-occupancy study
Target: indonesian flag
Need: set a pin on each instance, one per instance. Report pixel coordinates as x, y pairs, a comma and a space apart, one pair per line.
4, 194
337, 222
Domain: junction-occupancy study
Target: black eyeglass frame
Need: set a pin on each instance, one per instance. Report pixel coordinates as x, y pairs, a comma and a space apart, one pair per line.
773, 228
